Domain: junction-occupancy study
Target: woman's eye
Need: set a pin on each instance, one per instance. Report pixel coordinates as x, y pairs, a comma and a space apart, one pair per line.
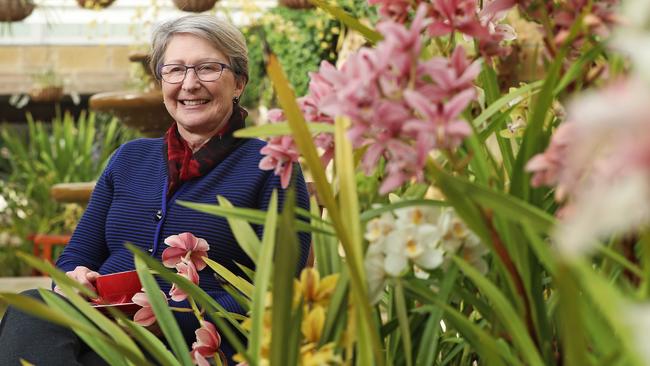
209, 68
171, 69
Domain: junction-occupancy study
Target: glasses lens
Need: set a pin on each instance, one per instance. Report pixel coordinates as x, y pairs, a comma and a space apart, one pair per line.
173, 73
209, 71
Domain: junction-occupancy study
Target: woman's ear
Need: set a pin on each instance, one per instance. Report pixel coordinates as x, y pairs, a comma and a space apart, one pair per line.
240, 82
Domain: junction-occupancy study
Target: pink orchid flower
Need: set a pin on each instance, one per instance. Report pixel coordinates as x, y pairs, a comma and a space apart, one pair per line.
281, 152
396, 10
187, 270
449, 75
276, 115
207, 343
144, 316
438, 126
546, 167
185, 246
450, 15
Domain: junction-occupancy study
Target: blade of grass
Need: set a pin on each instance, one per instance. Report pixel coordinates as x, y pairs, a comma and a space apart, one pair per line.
164, 316
243, 232
502, 102
345, 18
239, 283
307, 148
505, 312
154, 346
402, 317
262, 281
280, 129
103, 349
205, 301
286, 263
70, 288
43, 311
251, 215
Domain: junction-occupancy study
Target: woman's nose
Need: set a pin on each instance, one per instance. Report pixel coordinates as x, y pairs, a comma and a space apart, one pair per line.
191, 80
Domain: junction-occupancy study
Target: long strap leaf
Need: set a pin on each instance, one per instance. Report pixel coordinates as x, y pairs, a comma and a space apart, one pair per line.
307, 148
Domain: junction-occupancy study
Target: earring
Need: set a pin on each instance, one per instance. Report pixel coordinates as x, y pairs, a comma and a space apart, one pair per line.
235, 99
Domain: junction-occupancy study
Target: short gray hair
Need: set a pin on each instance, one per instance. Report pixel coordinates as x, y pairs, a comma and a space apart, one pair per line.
220, 33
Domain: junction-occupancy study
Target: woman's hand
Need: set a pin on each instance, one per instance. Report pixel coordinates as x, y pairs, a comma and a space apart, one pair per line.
83, 275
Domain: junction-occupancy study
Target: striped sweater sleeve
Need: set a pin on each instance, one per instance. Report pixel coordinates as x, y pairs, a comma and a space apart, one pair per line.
87, 246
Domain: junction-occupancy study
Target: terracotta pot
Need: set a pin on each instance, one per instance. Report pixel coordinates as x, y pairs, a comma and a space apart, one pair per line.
296, 4
46, 94
15, 10
143, 111
195, 6
94, 4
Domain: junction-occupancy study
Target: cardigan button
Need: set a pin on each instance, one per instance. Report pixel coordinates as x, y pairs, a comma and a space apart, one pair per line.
159, 215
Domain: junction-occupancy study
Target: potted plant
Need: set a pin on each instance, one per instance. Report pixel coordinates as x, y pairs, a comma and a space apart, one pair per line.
15, 10
195, 6
47, 86
95, 4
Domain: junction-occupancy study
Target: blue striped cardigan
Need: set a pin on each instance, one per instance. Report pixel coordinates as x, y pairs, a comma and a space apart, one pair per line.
129, 205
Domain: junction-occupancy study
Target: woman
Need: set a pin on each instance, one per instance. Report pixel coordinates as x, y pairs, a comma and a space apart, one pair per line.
202, 64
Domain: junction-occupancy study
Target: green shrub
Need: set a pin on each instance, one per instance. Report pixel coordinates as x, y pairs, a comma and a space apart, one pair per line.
62, 151
300, 39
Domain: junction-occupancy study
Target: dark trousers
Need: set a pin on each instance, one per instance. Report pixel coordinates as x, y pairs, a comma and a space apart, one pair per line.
40, 342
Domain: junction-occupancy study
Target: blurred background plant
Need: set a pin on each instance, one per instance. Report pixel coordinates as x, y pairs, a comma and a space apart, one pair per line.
63, 151
301, 39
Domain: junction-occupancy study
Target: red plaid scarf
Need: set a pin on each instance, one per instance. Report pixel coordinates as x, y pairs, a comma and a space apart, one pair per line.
184, 165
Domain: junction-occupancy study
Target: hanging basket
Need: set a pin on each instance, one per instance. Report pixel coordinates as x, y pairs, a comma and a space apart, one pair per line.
195, 6
15, 10
95, 4
296, 4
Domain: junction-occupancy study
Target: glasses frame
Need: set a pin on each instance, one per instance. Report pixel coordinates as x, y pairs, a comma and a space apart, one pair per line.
187, 67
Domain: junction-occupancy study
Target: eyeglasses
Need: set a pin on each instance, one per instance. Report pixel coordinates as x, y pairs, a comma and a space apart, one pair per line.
207, 71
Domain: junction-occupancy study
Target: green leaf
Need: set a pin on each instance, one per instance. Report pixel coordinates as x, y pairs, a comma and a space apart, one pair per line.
345, 18
102, 348
509, 206
305, 144
348, 199
579, 67
239, 283
286, 258
248, 214
206, 301
280, 129
243, 232
262, 281
402, 317
502, 102
39, 309
484, 343
615, 257
505, 312
570, 319
164, 316
70, 288
325, 248
154, 346
541, 248
335, 319
428, 345
57, 276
